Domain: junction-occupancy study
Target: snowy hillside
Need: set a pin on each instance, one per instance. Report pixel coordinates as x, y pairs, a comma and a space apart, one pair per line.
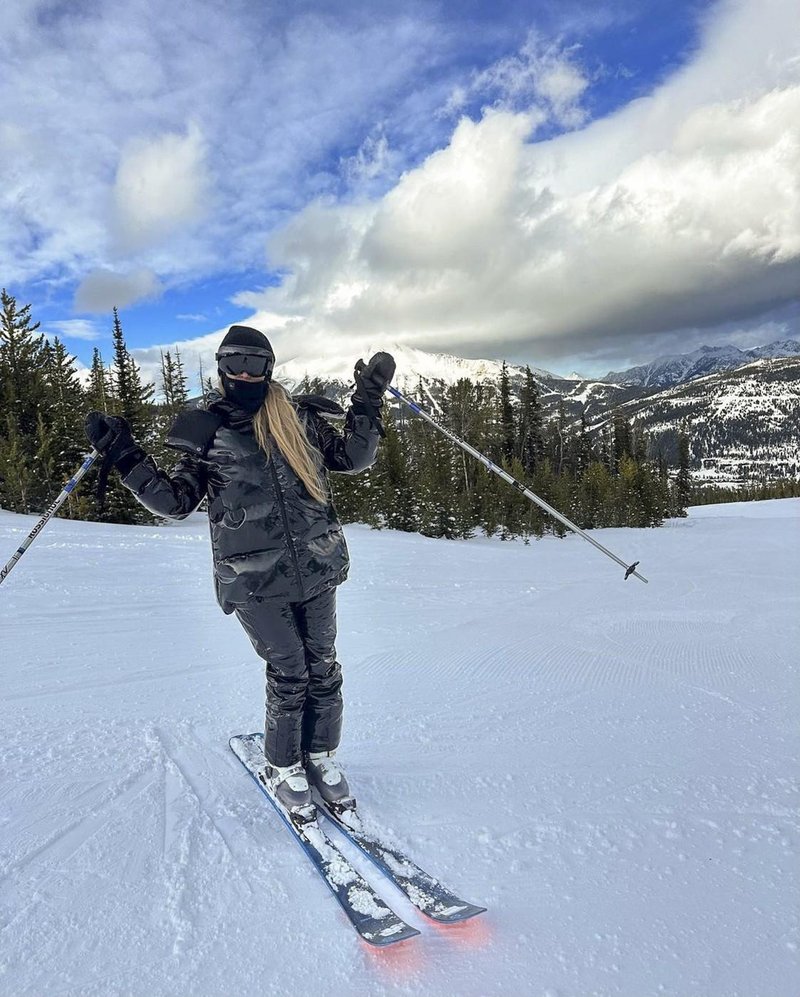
742, 424
610, 767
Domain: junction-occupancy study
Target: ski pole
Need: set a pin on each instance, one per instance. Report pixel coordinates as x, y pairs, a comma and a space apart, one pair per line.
73, 481
630, 569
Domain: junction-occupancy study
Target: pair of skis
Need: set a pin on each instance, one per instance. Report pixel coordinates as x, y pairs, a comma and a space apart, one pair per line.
369, 914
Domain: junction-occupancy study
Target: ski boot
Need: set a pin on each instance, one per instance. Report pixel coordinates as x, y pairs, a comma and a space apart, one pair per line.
289, 786
329, 780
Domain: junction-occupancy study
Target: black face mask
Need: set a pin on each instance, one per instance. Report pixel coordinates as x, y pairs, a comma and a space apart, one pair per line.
248, 395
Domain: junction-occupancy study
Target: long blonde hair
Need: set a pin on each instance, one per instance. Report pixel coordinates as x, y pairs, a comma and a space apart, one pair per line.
277, 417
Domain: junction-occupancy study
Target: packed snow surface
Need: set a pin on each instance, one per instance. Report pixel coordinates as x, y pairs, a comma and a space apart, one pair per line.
610, 767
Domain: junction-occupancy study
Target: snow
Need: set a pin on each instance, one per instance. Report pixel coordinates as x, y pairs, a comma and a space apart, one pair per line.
412, 364
609, 767
681, 367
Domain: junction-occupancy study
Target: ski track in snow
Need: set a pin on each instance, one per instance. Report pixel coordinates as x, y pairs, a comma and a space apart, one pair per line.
609, 767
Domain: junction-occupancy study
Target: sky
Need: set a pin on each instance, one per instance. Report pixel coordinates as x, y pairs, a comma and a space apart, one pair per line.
576, 185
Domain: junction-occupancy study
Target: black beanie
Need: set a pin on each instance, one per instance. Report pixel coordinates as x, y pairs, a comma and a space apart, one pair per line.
244, 336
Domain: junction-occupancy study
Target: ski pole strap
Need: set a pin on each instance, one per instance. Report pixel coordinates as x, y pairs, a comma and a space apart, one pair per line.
56, 505
106, 467
630, 569
102, 480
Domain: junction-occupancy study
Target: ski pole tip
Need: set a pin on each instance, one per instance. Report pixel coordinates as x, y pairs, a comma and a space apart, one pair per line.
631, 570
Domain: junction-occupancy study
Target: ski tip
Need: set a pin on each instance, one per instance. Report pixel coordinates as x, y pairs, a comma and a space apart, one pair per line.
456, 914
243, 738
400, 932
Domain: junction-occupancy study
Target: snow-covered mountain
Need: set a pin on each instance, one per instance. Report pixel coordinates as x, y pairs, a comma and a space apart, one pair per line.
743, 414
679, 368
413, 365
743, 423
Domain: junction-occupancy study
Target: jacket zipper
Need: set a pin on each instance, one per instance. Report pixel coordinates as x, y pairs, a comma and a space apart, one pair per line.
282, 504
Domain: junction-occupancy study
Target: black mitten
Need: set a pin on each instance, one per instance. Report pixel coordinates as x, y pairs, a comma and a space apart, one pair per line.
372, 380
111, 436
377, 374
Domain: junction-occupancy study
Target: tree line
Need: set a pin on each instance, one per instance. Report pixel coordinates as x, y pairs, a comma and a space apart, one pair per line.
420, 483
42, 409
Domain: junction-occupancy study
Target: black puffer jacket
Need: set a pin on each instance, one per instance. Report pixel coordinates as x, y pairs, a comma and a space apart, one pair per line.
269, 538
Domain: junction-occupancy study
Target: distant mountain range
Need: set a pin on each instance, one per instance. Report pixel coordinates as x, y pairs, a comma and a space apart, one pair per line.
742, 407
668, 371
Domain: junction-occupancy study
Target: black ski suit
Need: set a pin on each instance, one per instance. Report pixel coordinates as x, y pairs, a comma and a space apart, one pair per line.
278, 554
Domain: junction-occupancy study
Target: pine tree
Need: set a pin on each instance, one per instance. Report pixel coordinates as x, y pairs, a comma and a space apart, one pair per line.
61, 443
583, 448
595, 485
529, 433
166, 378
131, 399
555, 432
180, 383
506, 416
682, 492
398, 503
100, 388
622, 446
23, 395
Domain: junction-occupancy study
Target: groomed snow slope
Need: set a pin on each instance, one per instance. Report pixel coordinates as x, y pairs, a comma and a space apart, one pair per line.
610, 767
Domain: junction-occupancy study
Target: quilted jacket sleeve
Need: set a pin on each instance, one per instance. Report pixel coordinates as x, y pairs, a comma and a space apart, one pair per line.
174, 495
349, 451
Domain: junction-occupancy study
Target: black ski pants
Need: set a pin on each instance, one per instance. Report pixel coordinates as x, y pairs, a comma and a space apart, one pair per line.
304, 679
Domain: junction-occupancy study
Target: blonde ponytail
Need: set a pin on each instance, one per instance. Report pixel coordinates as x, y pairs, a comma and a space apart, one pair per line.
277, 417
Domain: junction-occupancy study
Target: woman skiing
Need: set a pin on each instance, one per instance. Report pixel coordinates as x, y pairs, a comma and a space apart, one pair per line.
261, 459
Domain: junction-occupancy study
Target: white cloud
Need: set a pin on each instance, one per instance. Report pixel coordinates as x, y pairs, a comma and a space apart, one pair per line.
76, 328
544, 75
676, 211
194, 353
138, 118
161, 186
681, 210
370, 162
103, 290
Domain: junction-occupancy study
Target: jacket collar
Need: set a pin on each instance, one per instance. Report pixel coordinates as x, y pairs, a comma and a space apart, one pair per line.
232, 415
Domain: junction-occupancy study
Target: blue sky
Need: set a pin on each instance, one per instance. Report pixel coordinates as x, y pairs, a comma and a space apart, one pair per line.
567, 184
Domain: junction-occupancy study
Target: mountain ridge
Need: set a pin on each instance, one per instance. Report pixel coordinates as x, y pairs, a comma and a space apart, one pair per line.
679, 368
743, 418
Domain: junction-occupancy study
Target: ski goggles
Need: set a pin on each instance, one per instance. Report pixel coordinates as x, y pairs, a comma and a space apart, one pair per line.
255, 361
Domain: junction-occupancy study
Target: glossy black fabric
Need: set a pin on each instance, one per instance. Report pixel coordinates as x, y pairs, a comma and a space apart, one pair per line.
304, 679
269, 538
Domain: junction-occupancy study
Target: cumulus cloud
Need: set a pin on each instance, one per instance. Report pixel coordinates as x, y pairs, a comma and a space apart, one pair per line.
76, 328
139, 120
195, 354
680, 211
103, 290
161, 186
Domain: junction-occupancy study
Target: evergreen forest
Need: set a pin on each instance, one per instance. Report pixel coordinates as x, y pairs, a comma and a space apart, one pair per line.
421, 481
